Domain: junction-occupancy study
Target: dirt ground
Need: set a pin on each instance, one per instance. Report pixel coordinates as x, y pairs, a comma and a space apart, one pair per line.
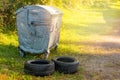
104, 65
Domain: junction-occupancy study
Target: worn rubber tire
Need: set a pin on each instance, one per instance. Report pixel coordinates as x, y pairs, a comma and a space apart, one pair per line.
39, 67
65, 64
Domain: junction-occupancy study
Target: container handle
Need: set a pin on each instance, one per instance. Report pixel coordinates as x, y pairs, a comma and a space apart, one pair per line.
31, 29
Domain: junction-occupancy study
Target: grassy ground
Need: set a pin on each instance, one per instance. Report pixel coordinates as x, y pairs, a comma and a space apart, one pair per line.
80, 29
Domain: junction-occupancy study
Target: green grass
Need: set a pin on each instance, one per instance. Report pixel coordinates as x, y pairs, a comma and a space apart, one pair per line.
78, 25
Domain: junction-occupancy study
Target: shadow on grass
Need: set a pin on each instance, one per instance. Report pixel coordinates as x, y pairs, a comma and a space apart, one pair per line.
9, 59
13, 65
95, 64
8, 51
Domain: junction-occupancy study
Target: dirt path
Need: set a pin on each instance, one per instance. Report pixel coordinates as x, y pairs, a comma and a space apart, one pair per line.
104, 65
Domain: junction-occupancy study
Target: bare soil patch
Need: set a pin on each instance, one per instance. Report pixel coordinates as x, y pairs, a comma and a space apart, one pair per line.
103, 63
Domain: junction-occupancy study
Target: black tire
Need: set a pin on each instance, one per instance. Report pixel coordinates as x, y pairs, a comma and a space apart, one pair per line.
39, 67
67, 65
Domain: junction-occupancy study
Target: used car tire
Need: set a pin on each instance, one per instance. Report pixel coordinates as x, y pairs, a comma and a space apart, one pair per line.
66, 64
39, 67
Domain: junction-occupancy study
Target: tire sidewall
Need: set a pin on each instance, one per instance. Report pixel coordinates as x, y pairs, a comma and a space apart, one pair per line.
66, 67
37, 69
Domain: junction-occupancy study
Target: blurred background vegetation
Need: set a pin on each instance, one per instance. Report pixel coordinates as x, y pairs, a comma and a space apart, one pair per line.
8, 8
84, 23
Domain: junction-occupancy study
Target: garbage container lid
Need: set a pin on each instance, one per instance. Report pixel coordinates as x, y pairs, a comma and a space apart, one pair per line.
50, 9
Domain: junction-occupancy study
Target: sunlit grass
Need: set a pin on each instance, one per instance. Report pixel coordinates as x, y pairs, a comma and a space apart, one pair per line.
7, 39
78, 26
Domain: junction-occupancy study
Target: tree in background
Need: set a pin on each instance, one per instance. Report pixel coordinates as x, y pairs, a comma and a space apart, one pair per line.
8, 8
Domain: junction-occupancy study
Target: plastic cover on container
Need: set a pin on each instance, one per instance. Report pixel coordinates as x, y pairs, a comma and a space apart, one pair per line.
38, 28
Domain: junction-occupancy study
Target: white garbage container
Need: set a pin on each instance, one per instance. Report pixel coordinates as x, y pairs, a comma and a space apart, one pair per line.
38, 29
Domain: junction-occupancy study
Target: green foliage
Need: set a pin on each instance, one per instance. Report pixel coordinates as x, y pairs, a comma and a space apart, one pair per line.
80, 29
8, 8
